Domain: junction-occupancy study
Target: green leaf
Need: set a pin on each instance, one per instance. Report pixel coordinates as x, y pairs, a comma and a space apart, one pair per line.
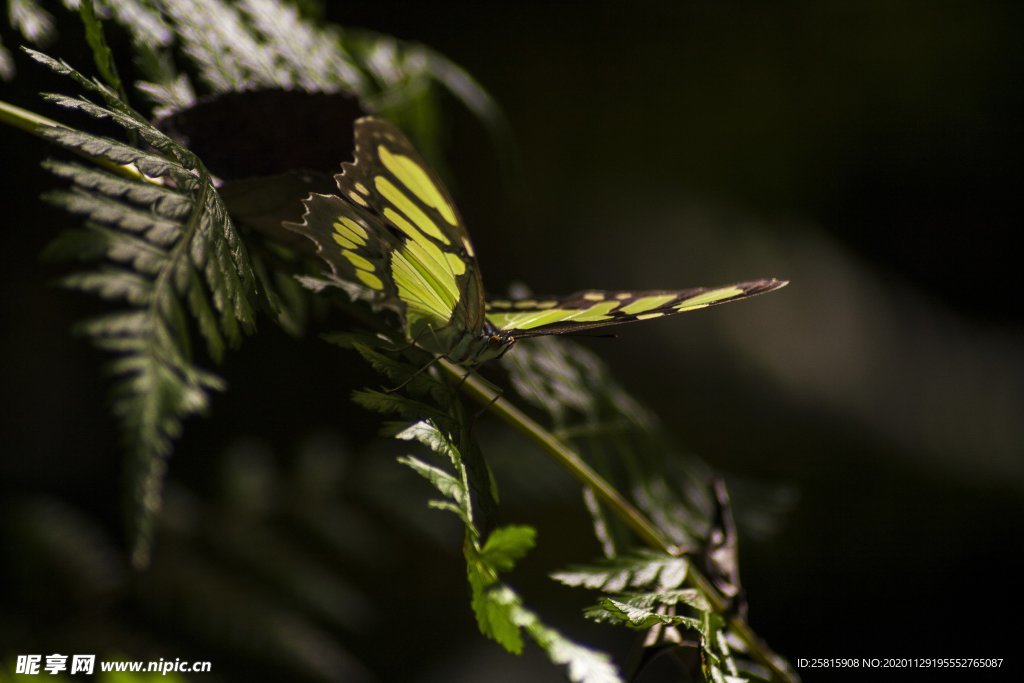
397, 404
203, 313
76, 244
131, 324
506, 545
433, 438
165, 201
417, 381
675, 490
583, 665
150, 164
115, 212
637, 570
638, 617
445, 483
496, 608
690, 597
120, 114
111, 283
101, 53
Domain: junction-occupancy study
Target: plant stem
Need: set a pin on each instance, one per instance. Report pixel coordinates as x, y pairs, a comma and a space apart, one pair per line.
482, 392
583, 472
33, 123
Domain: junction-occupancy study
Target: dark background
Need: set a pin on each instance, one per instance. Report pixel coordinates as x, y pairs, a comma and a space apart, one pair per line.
866, 151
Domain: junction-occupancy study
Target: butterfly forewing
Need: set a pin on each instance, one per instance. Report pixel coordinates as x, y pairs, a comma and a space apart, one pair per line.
591, 309
429, 271
435, 270
354, 243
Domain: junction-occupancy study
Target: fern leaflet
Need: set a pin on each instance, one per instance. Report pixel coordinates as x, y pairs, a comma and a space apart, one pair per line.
165, 248
499, 610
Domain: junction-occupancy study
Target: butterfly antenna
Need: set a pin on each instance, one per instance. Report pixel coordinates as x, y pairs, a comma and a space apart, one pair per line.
591, 335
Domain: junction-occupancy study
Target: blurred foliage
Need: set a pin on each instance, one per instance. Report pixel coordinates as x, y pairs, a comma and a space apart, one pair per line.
303, 543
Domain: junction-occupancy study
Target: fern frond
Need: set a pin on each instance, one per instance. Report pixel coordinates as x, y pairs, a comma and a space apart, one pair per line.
267, 44
499, 610
173, 93
229, 57
148, 26
635, 570
164, 201
722, 656
286, 301
643, 611
167, 251
315, 58
115, 211
102, 56
395, 404
261, 44
99, 147
128, 119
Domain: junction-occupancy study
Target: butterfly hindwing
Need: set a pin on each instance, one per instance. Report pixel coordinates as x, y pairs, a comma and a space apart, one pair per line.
354, 243
591, 309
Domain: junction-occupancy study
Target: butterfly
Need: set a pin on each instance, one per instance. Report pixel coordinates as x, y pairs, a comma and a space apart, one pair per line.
394, 233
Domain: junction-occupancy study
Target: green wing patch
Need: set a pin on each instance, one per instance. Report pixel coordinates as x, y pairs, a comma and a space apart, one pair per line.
596, 308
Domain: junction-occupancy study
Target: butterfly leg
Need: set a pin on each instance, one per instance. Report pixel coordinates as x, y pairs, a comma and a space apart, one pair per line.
411, 377
497, 395
412, 344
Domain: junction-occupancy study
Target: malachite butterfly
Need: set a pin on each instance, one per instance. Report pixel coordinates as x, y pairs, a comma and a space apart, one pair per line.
393, 231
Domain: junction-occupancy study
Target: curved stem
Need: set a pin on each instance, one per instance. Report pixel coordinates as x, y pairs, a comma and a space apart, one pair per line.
583, 472
34, 123
482, 392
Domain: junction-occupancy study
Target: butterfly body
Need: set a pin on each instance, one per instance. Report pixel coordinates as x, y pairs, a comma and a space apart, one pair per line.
394, 232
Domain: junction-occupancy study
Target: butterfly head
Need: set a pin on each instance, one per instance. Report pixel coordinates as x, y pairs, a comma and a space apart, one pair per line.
493, 343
